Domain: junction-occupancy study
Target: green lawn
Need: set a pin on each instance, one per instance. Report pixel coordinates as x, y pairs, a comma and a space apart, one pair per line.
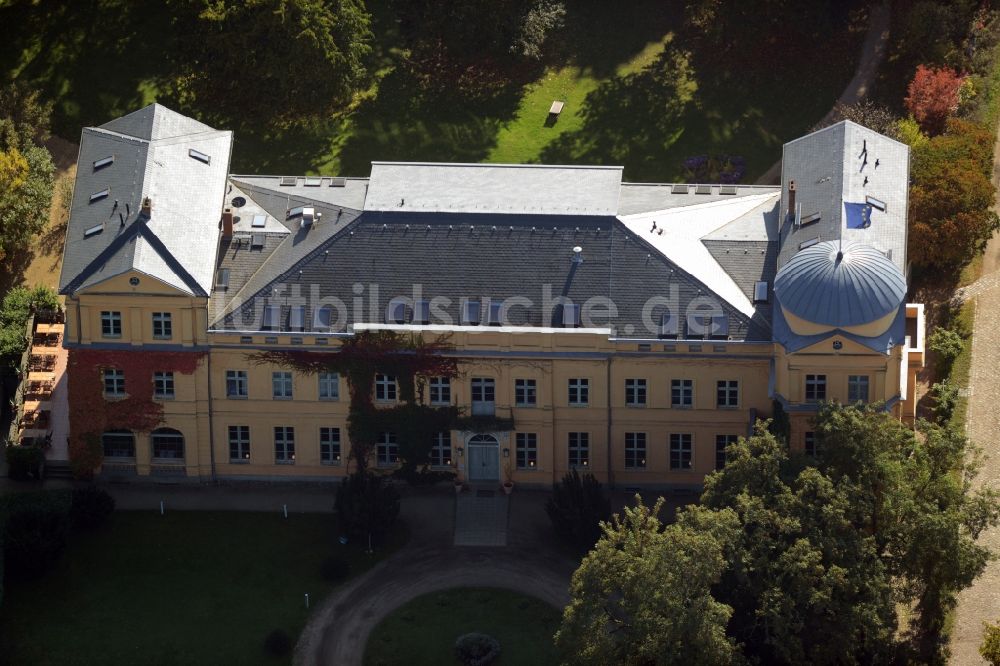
184, 588
423, 632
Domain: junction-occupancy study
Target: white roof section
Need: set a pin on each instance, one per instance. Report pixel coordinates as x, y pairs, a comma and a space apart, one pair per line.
493, 188
685, 227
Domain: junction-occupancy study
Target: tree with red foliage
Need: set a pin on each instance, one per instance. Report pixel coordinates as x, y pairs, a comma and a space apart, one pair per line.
933, 96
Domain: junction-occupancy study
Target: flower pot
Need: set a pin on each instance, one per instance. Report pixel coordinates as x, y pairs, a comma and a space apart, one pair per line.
458, 488
508, 487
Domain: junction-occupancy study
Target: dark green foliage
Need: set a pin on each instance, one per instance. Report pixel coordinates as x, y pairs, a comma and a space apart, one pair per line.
946, 344
18, 304
421, 476
990, 648
336, 569
367, 506
91, 507
24, 462
277, 643
477, 649
576, 508
945, 395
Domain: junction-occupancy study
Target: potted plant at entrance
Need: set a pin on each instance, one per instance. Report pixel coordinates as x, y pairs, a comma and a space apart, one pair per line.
458, 486
508, 485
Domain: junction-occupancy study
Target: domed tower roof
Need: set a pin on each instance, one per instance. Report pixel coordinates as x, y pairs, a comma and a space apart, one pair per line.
839, 285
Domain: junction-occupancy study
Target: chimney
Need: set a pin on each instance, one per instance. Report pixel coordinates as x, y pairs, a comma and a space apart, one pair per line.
227, 223
791, 198
147, 207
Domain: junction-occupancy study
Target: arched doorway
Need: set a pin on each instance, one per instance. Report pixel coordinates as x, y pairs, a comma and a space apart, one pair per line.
483, 458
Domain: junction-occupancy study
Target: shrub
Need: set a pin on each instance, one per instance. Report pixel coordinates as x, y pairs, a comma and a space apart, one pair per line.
477, 649
945, 395
91, 507
277, 643
947, 345
336, 568
576, 509
990, 649
932, 96
24, 462
34, 538
367, 505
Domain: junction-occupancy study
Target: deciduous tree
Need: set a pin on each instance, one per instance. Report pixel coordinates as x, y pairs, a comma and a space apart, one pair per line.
932, 97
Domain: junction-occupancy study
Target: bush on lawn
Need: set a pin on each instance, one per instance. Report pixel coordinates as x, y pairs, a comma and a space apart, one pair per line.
277, 643
576, 508
91, 507
477, 649
367, 506
336, 568
946, 344
24, 462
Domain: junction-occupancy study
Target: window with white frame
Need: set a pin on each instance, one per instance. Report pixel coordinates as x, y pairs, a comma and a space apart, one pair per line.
680, 451
810, 446
281, 385
284, 445
727, 393
721, 443
525, 392
483, 396
163, 385
239, 443
526, 450
815, 388
236, 383
857, 388
385, 387
579, 449
329, 446
579, 392
635, 450
635, 392
114, 382
440, 390
111, 324
162, 326
441, 451
329, 386
386, 449
681, 392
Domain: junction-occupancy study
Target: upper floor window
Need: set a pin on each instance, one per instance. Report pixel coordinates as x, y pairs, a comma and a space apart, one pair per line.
236, 383
385, 387
163, 385
162, 326
579, 391
727, 393
111, 324
441, 451
440, 391
635, 392
681, 393
281, 385
329, 386
329, 446
815, 388
483, 396
857, 388
114, 382
525, 392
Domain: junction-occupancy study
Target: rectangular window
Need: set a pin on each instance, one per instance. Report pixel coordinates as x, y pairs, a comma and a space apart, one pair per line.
579, 449
297, 318
329, 446
721, 442
387, 451
579, 392
760, 291
239, 443
236, 383
527, 450
470, 313
635, 392
680, 451
329, 386
385, 388
727, 393
635, 450
525, 392
857, 388
281, 385
483, 396
284, 445
440, 391
441, 451
114, 383
815, 388
162, 326
681, 393
809, 441
163, 385
111, 324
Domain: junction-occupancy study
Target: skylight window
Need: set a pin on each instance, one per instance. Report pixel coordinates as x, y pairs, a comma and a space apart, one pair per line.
760, 291
295, 212
496, 313
668, 325
571, 315
809, 219
809, 243
103, 194
258, 221
338, 182
323, 319
395, 313
470, 313
93, 231
222, 279
288, 181
271, 315
875, 203
297, 317
313, 182
103, 162
200, 156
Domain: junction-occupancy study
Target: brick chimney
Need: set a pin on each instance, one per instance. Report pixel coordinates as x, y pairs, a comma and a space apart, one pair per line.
791, 199
227, 223
147, 207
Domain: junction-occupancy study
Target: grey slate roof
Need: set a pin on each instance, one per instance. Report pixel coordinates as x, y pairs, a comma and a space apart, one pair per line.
637, 198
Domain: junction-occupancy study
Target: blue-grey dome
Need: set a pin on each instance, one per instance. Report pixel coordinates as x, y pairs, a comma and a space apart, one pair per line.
840, 286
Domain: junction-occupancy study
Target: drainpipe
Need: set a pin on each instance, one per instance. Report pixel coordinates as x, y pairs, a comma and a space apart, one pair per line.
211, 423
607, 391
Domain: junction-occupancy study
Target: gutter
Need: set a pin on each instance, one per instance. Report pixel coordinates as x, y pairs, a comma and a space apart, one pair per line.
211, 424
611, 474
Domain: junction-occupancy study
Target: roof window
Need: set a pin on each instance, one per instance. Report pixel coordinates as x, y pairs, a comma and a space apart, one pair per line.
103, 194
103, 162
93, 231
760, 291
470, 313
200, 156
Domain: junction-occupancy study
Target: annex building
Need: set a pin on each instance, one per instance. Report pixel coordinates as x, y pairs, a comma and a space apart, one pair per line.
629, 329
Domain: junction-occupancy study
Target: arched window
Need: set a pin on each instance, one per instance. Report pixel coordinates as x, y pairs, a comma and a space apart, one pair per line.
483, 439
167, 444
118, 444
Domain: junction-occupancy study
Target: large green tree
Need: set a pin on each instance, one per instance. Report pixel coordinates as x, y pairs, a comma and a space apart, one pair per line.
643, 594
270, 60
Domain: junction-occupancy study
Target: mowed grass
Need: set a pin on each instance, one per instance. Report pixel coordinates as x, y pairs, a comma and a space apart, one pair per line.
184, 588
423, 632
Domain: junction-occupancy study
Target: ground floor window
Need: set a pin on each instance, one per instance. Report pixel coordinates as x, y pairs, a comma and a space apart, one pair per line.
441, 452
721, 442
386, 450
635, 450
811, 448
118, 444
579, 449
167, 444
526, 454
329, 446
680, 451
239, 443
284, 445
